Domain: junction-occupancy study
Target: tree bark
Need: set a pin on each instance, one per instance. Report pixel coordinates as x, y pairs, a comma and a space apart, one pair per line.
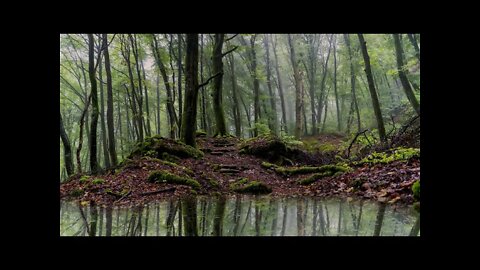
298, 89
272, 98
415, 45
280, 89
379, 219
371, 86
236, 107
218, 218
352, 80
138, 96
148, 127
339, 127
102, 119
221, 129
191, 91
204, 104
322, 85
110, 125
93, 127
403, 76
67, 149
179, 65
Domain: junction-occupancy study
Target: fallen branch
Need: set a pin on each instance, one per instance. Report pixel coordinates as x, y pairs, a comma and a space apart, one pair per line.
353, 141
157, 191
124, 196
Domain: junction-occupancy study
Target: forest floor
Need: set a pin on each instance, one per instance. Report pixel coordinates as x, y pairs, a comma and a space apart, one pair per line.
223, 165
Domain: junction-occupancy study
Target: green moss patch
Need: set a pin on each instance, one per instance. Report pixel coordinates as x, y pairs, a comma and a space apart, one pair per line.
98, 181
395, 154
314, 178
156, 146
269, 147
305, 169
77, 192
416, 189
169, 178
244, 185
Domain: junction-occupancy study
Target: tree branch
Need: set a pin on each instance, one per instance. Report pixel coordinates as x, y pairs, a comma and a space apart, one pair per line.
209, 79
230, 38
229, 51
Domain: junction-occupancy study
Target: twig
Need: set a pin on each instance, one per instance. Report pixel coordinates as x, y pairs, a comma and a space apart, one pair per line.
229, 51
158, 191
353, 141
209, 79
124, 196
230, 38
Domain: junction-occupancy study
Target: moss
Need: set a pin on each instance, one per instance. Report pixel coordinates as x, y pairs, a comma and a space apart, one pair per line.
212, 182
84, 179
200, 133
269, 147
77, 192
156, 146
416, 189
416, 206
253, 187
268, 165
98, 181
167, 157
215, 167
357, 183
314, 177
389, 156
305, 169
169, 178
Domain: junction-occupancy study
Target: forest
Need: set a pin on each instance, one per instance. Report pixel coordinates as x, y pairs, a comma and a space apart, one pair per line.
186, 121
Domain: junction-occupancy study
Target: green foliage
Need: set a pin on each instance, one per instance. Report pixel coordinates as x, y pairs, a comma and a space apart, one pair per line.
77, 192
169, 178
399, 153
212, 182
304, 170
160, 145
98, 181
314, 177
268, 165
84, 179
171, 158
416, 190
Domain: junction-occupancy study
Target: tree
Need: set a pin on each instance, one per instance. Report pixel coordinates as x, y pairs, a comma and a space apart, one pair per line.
403, 76
298, 89
412, 39
335, 83
352, 80
110, 125
221, 129
280, 88
67, 149
371, 87
191, 91
93, 127
273, 117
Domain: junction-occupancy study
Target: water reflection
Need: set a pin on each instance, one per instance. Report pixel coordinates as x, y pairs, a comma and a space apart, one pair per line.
241, 216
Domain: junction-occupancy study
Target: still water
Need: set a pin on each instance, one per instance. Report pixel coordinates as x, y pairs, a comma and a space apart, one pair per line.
241, 216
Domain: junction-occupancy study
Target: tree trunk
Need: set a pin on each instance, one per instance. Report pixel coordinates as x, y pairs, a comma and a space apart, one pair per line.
217, 85
148, 127
158, 104
102, 119
138, 96
170, 109
218, 218
93, 127
379, 220
236, 107
280, 89
272, 98
179, 65
256, 86
339, 128
322, 85
67, 149
298, 90
110, 125
191, 91
403, 76
204, 104
415, 45
373, 92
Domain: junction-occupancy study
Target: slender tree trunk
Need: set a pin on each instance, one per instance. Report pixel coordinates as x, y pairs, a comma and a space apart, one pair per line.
300, 217
415, 45
204, 110
108, 226
403, 76
322, 85
93, 219
236, 107
191, 91
170, 109
138, 96
110, 125
272, 98
280, 89
298, 89
339, 128
67, 149
158, 104
102, 119
221, 129
148, 127
373, 92
284, 220
93, 127
247, 113
179, 65
256, 85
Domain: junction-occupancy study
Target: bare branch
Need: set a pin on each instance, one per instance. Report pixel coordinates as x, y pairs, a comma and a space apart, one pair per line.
209, 79
230, 38
229, 51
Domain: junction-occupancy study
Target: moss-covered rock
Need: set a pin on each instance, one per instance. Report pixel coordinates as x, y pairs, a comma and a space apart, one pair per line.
306, 169
160, 145
169, 178
314, 178
200, 133
268, 165
98, 181
269, 147
171, 158
243, 185
416, 189
389, 156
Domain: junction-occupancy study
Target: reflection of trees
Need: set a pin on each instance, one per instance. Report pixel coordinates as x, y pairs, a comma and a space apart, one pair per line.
379, 220
258, 219
275, 216
415, 228
179, 217
108, 225
172, 208
146, 221
157, 221
284, 221
135, 224
356, 219
246, 217
100, 223
218, 217
340, 210
93, 221
237, 214
189, 206
300, 217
